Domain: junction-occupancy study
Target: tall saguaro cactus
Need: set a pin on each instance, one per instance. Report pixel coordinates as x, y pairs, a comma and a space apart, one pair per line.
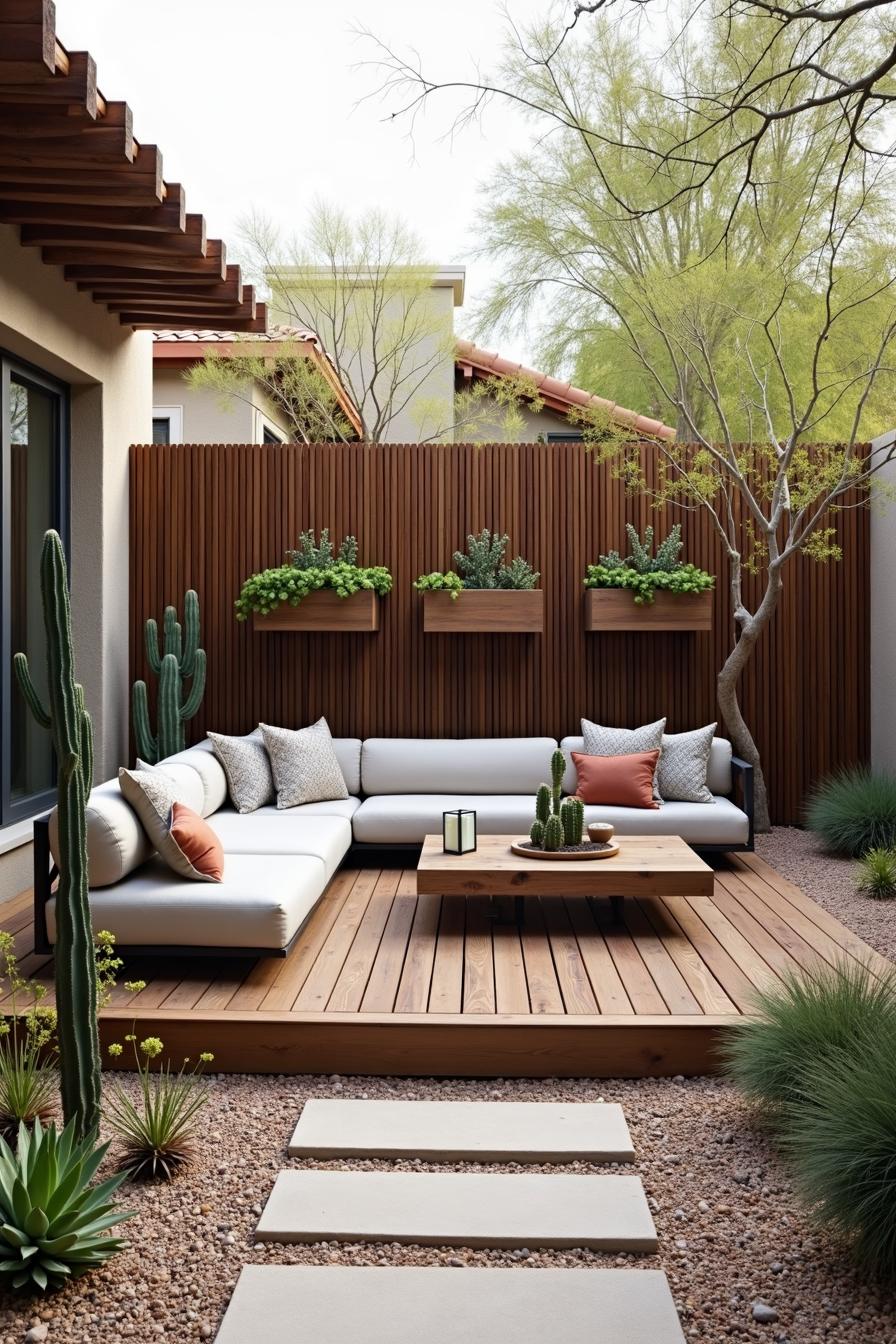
178, 660
69, 724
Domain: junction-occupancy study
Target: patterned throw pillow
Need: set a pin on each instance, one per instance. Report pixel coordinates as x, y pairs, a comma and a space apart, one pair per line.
601, 741
304, 763
153, 796
247, 768
684, 765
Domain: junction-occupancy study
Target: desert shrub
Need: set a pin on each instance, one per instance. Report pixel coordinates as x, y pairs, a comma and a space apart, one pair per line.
53, 1222
854, 812
801, 1023
877, 874
157, 1132
840, 1139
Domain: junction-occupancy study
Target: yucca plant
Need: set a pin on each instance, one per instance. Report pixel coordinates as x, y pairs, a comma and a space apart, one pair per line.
840, 1139
854, 812
877, 874
54, 1223
801, 1023
156, 1132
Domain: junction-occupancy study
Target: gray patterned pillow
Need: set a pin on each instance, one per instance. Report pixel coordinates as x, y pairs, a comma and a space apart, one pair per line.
247, 768
683, 765
601, 741
304, 764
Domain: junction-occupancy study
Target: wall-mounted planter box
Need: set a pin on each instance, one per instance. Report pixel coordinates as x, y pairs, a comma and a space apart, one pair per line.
486, 611
324, 610
614, 609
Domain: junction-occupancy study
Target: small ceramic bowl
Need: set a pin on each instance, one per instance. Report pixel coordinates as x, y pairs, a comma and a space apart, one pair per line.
600, 832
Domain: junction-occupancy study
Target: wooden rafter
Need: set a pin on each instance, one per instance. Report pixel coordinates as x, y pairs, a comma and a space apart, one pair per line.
79, 186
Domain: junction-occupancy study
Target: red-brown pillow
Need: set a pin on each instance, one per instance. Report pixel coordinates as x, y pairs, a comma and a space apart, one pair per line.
201, 850
616, 781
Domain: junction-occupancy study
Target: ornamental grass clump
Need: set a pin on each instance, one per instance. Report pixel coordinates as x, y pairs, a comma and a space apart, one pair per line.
854, 812
840, 1140
157, 1132
53, 1222
29, 1079
481, 566
313, 565
645, 572
801, 1022
877, 874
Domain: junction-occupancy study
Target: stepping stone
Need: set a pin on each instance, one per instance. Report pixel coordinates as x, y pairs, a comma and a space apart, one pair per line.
450, 1306
608, 1213
462, 1131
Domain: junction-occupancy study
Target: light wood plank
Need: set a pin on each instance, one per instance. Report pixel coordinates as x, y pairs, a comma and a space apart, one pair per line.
638, 983
511, 986
479, 966
605, 980
382, 986
416, 975
663, 970
319, 984
446, 990
294, 970
578, 996
699, 978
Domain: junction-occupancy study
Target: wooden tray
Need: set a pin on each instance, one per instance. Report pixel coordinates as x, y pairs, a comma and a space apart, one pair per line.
598, 852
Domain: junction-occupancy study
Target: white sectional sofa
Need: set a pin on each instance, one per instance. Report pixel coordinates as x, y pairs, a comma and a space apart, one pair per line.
278, 862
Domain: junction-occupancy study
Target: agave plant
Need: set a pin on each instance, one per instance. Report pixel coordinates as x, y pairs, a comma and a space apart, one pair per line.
54, 1223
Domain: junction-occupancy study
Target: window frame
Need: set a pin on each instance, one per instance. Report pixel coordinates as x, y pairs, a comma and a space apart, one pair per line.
175, 417
20, 370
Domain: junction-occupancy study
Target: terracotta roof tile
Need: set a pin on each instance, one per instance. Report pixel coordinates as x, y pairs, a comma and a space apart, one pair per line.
557, 394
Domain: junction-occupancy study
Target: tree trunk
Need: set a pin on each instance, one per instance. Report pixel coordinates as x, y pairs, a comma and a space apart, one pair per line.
726, 694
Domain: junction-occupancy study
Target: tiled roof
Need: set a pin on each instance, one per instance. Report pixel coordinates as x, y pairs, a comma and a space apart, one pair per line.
208, 336
556, 394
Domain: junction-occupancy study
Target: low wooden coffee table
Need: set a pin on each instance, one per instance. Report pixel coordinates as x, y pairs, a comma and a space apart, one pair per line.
646, 865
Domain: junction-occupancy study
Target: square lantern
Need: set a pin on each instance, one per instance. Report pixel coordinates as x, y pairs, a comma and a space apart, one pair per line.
458, 831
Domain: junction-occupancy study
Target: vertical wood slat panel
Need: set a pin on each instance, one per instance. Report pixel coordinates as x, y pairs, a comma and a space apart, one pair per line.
206, 516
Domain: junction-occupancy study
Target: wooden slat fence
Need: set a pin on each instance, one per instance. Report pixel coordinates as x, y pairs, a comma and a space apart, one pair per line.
206, 516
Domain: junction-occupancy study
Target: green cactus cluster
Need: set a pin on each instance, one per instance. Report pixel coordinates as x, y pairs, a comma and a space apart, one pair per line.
176, 661
558, 821
69, 725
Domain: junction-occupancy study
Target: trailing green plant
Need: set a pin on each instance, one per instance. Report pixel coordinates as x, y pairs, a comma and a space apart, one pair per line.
802, 1021
311, 567
156, 1133
175, 662
840, 1138
29, 1081
69, 724
854, 811
440, 583
558, 821
877, 874
481, 567
644, 572
53, 1222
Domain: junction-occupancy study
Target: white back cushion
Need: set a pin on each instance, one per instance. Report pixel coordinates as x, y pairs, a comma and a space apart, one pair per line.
718, 776
348, 754
116, 842
455, 764
210, 770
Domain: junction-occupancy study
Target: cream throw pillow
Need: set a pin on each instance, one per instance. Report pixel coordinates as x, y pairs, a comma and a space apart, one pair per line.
304, 764
152, 794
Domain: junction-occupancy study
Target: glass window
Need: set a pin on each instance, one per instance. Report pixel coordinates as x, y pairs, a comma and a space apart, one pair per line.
33, 424
161, 429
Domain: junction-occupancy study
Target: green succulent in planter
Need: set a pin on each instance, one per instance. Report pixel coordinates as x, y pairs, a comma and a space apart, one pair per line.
481, 567
54, 1222
311, 566
645, 572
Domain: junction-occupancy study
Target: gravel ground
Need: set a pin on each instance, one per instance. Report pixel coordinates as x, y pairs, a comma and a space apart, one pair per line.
830, 881
731, 1231
732, 1234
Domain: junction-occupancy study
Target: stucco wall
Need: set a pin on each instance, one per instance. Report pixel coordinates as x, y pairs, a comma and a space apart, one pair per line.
207, 418
529, 426
883, 622
46, 321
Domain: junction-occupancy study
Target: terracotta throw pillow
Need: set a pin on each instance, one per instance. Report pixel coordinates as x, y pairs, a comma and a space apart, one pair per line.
197, 842
616, 781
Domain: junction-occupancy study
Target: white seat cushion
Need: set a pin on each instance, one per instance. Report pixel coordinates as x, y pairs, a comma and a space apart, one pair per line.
285, 832
715, 823
455, 765
262, 902
406, 818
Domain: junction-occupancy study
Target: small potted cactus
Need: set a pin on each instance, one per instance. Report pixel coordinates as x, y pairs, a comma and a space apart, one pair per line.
558, 830
482, 594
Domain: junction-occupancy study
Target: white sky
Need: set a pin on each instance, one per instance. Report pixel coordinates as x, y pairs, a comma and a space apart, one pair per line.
258, 105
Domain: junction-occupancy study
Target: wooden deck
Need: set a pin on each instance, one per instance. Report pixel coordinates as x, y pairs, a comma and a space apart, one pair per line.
382, 982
